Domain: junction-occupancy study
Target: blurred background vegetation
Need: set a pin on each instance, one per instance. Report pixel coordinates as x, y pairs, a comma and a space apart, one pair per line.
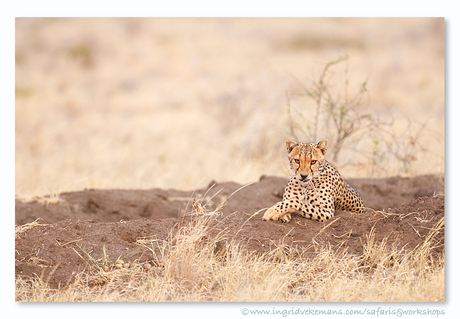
178, 102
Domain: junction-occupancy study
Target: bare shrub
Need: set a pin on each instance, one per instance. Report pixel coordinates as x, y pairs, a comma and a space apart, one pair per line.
331, 111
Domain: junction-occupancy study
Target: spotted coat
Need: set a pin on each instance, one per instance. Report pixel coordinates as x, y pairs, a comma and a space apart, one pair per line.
316, 190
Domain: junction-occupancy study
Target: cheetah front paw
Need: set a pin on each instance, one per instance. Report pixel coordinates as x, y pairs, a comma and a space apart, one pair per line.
286, 218
272, 214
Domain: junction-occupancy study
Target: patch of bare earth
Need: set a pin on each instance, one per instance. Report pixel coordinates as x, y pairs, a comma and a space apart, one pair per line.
100, 227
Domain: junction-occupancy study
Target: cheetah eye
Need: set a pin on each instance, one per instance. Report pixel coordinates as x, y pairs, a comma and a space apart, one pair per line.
313, 162
297, 161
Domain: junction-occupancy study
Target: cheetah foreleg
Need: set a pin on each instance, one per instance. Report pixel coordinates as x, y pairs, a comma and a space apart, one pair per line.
293, 190
292, 202
297, 198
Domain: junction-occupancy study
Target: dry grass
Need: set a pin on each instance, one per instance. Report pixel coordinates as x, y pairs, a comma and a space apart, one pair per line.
209, 96
18, 230
193, 266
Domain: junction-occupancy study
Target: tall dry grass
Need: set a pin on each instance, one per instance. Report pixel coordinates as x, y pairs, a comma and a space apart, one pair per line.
193, 265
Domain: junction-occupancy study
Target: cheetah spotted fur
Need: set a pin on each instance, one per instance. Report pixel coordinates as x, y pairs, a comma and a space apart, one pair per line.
316, 188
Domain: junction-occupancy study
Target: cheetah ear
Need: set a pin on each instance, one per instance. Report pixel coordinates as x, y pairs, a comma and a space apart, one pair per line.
290, 145
323, 146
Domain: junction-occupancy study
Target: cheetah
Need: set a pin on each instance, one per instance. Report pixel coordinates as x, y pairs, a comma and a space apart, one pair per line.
316, 190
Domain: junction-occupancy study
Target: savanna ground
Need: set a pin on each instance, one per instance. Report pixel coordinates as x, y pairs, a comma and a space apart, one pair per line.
123, 126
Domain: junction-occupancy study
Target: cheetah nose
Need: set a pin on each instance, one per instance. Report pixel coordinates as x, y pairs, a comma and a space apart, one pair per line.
303, 176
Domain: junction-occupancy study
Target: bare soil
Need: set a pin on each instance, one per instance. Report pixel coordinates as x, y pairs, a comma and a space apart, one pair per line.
89, 221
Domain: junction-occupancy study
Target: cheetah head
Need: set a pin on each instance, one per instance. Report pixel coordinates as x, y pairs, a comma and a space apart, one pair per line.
306, 159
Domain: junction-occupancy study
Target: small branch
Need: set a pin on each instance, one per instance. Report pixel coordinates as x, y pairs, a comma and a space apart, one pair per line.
414, 229
291, 122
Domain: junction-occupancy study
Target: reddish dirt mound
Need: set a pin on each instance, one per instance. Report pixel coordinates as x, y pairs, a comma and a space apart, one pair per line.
90, 221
